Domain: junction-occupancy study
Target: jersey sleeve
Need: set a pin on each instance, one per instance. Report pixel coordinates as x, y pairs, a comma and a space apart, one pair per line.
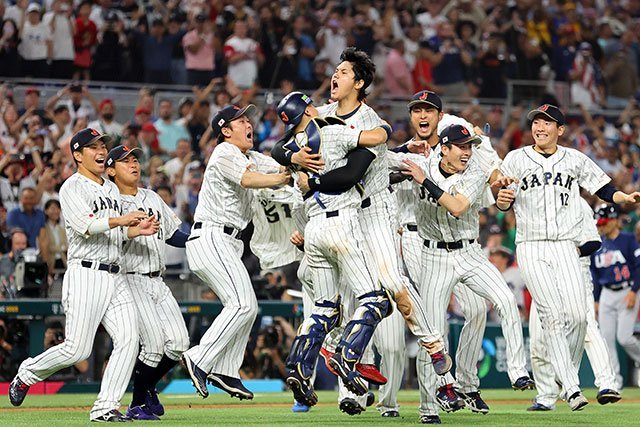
487, 157
472, 185
507, 167
232, 164
264, 164
346, 136
77, 211
396, 160
590, 176
589, 231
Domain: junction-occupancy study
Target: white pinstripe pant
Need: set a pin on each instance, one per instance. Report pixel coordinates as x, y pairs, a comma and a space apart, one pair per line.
161, 325
552, 273
594, 344
442, 270
475, 317
91, 297
215, 258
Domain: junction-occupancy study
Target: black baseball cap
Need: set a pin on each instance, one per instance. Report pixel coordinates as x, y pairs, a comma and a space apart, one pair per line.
551, 111
458, 134
229, 114
87, 136
426, 97
120, 152
606, 212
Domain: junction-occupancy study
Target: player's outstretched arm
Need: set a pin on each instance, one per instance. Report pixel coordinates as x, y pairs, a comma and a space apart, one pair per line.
253, 179
102, 225
376, 136
342, 178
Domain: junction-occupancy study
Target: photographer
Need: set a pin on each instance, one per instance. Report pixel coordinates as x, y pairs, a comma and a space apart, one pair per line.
54, 335
269, 351
8, 264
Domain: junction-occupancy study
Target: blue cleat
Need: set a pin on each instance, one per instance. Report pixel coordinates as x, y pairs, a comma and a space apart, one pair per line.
299, 407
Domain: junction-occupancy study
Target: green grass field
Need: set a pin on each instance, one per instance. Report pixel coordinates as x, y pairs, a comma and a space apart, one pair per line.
508, 408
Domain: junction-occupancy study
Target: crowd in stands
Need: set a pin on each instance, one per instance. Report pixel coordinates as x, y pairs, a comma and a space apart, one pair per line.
586, 53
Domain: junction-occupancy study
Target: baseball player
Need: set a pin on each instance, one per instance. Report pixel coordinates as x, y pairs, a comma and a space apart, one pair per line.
163, 332
546, 202
214, 250
349, 83
427, 120
333, 246
451, 194
594, 344
94, 290
616, 282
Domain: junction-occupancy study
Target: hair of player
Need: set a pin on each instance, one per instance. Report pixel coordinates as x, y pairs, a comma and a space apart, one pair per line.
363, 68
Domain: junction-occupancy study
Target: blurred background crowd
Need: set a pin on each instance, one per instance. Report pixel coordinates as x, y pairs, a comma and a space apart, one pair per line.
152, 73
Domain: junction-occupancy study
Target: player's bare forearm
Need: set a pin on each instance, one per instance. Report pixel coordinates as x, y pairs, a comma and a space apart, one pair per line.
505, 199
373, 137
252, 179
622, 197
456, 205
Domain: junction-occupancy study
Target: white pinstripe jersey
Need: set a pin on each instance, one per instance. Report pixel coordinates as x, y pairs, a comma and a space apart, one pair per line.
588, 230
364, 117
547, 203
273, 224
83, 201
222, 200
146, 254
434, 221
336, 142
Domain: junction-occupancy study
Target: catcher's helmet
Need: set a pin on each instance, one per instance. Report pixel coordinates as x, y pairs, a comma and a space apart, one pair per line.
606, 212
291, 108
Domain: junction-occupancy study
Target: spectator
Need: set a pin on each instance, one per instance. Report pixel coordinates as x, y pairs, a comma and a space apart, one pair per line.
157, 47
5, 236
362, 35
492, 68
35, 46
60, 23
586, 79
13, 167
244, 56
32, 104
199, 52
269, 353
8, 264
175, 257
170, 132
141, 116
176, 167
621, 73
85, 38
9, 40
149, 140
77, 98
106, 122
10, 127
54, 335
450, 59
60, 129
187, 194
57, 237
109, 57
198, 123
178, 66
332, 39
271, 42
29, 218
306, 48
397, 76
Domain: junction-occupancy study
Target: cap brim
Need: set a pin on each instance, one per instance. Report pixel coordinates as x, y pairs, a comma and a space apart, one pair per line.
532, 115
135, 151
421, 101
249, 110
473, 139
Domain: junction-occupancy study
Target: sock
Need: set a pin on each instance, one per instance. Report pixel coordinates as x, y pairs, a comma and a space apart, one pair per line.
142, 374
165, 365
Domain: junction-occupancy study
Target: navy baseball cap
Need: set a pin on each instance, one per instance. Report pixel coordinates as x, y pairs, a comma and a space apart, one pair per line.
229, 114
87, 136
119, 153
291, 109
551, 111
426, 97
606, 212
458, 134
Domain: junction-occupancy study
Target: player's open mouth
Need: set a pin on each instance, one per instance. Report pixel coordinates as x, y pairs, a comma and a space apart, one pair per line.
334, 85
423, 126
250, 135
100, 160
464, 160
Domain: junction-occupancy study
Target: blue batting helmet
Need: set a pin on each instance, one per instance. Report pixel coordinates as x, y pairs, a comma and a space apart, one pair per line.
291, 108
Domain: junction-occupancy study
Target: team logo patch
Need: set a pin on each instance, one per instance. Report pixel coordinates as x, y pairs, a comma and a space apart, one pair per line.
424, 95
94, 132
352, 127
445, 139
75, 146
220, 122
543, 107
284, 117
464, 131
109, 162
125, 148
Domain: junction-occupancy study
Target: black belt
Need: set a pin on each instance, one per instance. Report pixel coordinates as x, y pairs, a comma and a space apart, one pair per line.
197, 226
152, 274
227, 230
448, 245
109, 268
366, 203
618, 286
332, 214
412, 227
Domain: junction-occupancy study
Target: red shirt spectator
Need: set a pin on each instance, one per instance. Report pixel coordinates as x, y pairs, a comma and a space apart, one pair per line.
85, 38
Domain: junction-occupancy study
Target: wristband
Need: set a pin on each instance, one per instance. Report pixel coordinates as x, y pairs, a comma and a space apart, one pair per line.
387, 129
314, 183
433, 189
98, 226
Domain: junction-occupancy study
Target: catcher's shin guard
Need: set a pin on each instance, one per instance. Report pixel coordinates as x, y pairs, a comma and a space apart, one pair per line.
374, 306
306, 346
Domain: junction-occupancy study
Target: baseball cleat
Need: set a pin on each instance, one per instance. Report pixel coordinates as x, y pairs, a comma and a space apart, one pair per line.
473, 401
113, 416
302, 389
350, 406
523, 383
371, 398
152, 402
430, 419
350, 377
577, 401
390, 414
368, 371
198, 376
231, 385
608, 396
141, 413
448, 399
299, 407
441, 362
538, 407
17, 391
